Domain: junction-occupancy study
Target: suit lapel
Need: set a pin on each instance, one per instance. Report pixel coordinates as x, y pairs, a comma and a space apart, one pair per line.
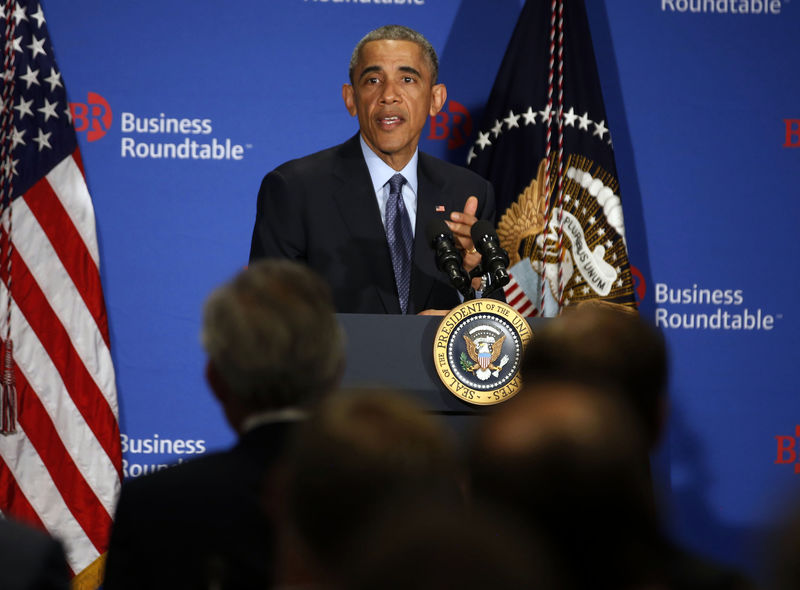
356, 201
430, 195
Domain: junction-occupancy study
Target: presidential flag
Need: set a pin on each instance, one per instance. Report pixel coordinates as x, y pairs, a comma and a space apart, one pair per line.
546, 147
60, 457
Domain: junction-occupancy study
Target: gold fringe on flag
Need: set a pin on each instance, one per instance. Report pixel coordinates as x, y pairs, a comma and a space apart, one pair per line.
91, 578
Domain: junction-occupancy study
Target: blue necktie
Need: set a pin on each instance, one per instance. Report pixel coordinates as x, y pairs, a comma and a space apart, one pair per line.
400, 237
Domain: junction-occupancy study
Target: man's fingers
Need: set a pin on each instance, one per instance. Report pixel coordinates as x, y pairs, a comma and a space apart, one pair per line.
471, 206
467, 216
461, 232
461, 222
461, 225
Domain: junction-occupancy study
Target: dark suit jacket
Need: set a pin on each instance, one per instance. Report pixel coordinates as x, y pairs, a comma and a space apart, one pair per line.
30, 559
199, 521
322, 210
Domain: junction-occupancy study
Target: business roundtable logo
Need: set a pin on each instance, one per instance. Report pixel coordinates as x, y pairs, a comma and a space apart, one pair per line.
792, 133
477, 351
788, 449
700, 307
155, 137
453, 124
141, 456
739, 7
93, 117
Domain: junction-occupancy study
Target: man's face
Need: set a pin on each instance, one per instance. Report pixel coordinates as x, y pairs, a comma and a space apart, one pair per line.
392, 94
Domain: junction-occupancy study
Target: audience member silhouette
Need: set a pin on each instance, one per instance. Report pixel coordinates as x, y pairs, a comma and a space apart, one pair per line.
30, 559
567, 461
608, 347
438, 546
360, 453
274, 346
567, 458
784, 565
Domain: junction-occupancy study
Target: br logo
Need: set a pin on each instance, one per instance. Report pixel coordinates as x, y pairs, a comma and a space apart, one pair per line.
787, 449
453, 124
639, 284
94, 116
792, 133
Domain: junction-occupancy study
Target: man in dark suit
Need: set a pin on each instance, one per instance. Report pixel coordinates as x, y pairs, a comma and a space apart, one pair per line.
345, 210
274, 346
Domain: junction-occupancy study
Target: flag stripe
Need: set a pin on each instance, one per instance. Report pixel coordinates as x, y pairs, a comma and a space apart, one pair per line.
84, 448
70, 248
511, 288
81, 500
14, 501
522, 309
513, 301
34, 481
81, 387
516, 297
69, 184
76, 155
65, 301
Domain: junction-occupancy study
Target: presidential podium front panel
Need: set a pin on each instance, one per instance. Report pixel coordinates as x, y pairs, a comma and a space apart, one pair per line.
396, 352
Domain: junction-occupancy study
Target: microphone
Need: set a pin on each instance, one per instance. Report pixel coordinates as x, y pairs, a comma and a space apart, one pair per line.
494, 259
448, 259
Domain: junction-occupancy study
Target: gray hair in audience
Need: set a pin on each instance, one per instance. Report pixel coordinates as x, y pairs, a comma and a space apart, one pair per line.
272, 335
398, 33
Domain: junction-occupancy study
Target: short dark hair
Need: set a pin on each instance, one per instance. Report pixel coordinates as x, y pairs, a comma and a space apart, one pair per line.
568, 463
397, 33
356, 453
272, 335
606, 347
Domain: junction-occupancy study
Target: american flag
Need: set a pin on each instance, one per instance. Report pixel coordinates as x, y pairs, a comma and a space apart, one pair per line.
60, 457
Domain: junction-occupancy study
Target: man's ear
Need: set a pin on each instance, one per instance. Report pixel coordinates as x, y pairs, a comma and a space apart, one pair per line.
235, 411
438, 98
349, 96
215, 382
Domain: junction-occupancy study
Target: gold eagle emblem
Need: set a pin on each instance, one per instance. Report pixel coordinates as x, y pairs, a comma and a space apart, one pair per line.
525, 217
484, 353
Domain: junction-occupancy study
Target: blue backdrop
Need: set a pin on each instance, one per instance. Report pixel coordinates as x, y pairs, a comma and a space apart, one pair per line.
702, 104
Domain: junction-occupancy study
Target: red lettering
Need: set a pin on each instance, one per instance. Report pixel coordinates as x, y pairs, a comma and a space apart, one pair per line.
786, 452
437, 126
79, 112
461, 127
101, 116
639, 284
792, 133
455, 124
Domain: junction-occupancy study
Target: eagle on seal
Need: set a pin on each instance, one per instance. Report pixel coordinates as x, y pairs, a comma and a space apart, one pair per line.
484, 353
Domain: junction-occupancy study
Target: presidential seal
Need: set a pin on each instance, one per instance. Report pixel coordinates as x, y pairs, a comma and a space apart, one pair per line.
477, 351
